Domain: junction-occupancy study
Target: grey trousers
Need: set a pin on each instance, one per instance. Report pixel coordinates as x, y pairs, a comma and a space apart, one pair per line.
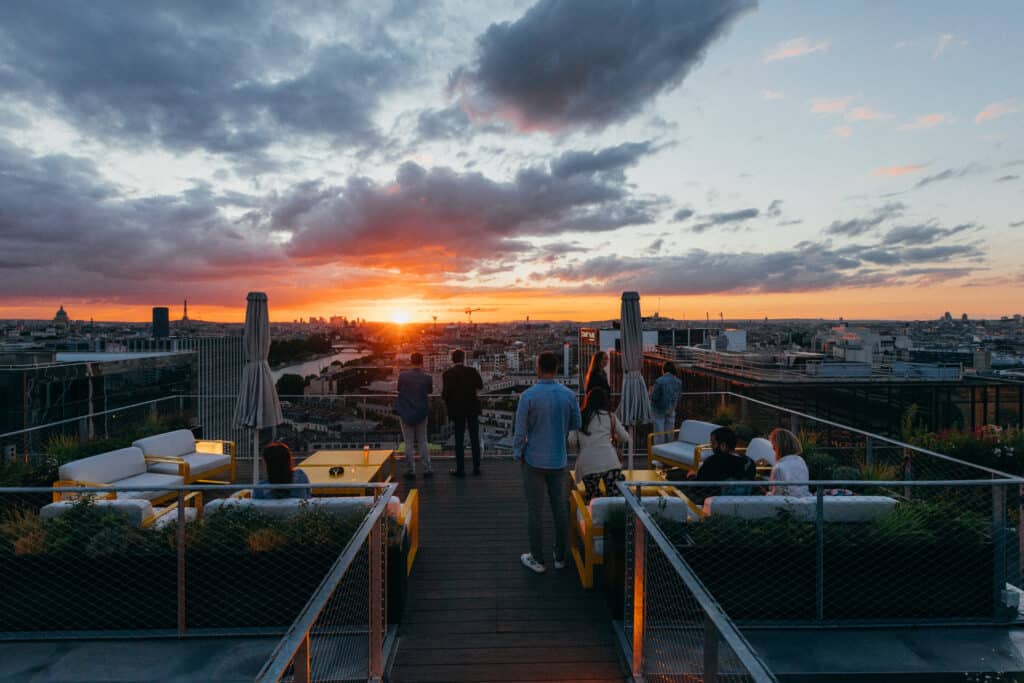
416, 434
553, 484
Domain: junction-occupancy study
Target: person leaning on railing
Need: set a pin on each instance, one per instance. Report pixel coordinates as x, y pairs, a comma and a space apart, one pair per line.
664, 397
789, 464
281, 470
598, 461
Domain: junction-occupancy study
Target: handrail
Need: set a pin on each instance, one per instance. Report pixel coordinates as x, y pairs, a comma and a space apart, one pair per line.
741, 647
101, 412
293, 639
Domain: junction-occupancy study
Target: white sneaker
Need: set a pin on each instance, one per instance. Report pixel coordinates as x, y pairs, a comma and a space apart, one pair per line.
532, 564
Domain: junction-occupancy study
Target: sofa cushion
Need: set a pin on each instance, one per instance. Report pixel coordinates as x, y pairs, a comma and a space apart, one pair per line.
680, 452
171, 518
136, 511
148, 479
602, 508
287, 507
179, 442
198, 464
760, 449
804, 508
106, 468
695, 431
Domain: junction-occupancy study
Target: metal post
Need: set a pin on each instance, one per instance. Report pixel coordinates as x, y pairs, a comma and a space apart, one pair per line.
639, 608
302, 671
869, 454
375, 661
819, 572
181, 562
998, 550
710, 651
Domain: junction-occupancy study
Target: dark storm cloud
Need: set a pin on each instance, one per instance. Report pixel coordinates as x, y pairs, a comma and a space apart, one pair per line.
809, 266
859, 226
226, 77
715, 219
682, 215
460, 216
589, 63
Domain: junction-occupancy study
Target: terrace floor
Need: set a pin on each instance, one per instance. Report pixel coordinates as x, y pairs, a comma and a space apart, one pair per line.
475, 613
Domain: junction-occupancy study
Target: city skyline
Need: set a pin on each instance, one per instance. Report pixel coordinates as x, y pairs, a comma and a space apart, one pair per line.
407, 160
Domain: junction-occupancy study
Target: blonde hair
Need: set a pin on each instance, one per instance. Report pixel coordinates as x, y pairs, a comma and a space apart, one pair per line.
785, 442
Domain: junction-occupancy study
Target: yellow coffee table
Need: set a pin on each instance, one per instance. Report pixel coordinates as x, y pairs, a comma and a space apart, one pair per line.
320, 477
374, 457
636, 475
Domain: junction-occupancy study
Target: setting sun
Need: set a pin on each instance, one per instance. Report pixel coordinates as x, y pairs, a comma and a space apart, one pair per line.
400, 317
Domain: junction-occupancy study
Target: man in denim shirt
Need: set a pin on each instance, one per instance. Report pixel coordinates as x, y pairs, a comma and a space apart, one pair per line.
414, 389
546, 414
663, 401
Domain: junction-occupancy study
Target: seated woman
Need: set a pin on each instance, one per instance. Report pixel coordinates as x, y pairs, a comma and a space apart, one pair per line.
598, 460
789, 464
281, 470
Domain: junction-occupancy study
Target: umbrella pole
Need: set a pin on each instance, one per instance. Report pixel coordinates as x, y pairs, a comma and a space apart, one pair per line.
632, 445
255, 456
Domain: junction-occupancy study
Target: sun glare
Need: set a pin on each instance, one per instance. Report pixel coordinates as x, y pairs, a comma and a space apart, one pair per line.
400, 317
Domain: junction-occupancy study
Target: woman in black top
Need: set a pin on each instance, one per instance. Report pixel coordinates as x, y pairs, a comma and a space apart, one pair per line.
597, 375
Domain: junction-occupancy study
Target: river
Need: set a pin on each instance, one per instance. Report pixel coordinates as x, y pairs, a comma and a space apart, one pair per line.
313, 367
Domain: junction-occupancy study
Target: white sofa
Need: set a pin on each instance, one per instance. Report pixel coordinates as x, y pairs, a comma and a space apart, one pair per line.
203, 459
685, 451
803, 508
139, 513
587, 539
406, 514
122, 468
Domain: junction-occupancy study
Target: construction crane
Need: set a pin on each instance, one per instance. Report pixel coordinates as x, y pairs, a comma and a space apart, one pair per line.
469, 314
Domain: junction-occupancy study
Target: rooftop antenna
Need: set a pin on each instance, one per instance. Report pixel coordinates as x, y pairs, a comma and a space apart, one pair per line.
184, 316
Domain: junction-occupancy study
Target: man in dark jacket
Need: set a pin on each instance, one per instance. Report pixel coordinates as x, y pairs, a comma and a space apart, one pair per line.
724, 464
459, 386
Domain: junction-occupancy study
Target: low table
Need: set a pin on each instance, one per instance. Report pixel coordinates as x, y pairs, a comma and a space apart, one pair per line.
636, 475
375, 457
359, 468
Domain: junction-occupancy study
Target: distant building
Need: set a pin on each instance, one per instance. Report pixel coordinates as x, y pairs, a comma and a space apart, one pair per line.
61, 320
161, 322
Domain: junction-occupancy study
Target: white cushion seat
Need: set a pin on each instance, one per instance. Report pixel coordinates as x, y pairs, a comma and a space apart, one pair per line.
169, 444
148, 479
289, 507
692, 433
803, 508
106, 468
198, 464
761, 450
601, 508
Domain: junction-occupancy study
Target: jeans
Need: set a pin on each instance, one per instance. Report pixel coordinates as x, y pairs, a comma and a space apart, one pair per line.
555, 485
664, 423
460, 424
416, 433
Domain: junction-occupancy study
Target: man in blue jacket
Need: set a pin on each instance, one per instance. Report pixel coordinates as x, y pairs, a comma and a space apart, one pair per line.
414, 389
547, 412
664, 398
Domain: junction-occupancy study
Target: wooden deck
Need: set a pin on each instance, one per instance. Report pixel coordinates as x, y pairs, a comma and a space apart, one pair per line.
475, 613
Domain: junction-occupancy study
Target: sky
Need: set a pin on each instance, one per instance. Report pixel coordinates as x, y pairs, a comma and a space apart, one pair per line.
411, 159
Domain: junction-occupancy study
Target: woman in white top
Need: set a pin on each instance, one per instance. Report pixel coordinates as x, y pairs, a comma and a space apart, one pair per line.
789, 464
598, 460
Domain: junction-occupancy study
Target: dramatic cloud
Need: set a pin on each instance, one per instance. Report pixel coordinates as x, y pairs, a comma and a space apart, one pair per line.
612, 159
619, 57
926, 121
924, 234
716, 219
859, 226
998, 110
797, 47
830, 105
948, 174
225, 77
896, 171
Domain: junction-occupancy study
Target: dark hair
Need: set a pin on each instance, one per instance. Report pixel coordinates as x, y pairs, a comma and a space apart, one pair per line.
594, 403
416, 358
669, 367
278, 459
547, 362
726, 436
595, 366
458, 356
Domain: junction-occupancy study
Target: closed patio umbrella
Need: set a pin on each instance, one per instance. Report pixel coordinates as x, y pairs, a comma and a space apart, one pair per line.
635, 403
257, 406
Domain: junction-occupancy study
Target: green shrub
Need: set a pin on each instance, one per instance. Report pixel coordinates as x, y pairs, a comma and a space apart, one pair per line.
820, 465
846, 473
724, 416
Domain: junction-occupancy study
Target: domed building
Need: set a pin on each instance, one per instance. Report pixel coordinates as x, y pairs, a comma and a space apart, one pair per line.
61, 319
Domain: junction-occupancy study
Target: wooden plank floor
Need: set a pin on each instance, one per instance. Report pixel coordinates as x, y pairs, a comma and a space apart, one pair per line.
475, 613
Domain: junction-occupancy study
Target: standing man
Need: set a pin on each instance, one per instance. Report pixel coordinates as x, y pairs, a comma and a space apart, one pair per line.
664, 398
546, 414
414, 389
458, 388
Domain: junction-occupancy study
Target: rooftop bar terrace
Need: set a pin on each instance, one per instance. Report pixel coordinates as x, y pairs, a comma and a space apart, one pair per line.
925, 590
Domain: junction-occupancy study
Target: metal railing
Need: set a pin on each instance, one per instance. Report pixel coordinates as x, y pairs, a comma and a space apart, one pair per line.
157, 562
674, 630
